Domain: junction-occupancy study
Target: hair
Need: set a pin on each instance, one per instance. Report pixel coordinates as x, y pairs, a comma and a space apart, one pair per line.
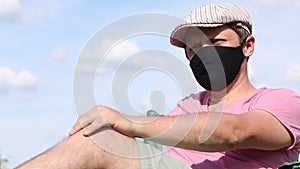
242, 32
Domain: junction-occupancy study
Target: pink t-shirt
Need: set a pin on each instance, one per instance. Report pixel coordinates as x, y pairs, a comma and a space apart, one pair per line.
282, 103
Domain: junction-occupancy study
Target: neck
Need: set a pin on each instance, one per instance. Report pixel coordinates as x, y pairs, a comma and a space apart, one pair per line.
238, 89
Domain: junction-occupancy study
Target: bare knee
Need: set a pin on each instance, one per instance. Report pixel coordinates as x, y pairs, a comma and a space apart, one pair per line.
108, 148
74, 152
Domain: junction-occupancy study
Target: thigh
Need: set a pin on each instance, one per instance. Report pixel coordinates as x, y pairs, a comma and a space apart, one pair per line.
105, 149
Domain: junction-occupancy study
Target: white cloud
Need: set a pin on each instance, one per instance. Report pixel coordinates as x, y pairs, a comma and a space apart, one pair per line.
272, 3
59, 54
122, 50
293, 73
22, 80
9, 6
25, 80
6, 78
114, 54
12, 11
126, 56
280, 3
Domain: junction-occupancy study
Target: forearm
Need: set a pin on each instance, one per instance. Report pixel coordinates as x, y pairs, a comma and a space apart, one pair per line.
199, 131
170, 131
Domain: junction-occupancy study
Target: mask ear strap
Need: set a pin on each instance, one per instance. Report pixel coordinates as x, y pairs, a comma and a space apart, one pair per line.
243, 44
244, 41
186, 54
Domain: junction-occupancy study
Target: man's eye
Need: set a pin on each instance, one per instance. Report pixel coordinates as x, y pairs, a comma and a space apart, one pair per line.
213, 41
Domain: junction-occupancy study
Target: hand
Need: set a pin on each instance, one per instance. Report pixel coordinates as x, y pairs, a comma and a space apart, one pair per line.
99, 117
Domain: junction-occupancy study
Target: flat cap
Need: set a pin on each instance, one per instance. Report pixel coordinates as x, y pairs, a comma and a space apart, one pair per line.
211, 15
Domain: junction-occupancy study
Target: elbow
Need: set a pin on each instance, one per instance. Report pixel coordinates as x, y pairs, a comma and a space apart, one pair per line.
233, 138
236, 138
228, 135
237, 133
221, 142
232, 142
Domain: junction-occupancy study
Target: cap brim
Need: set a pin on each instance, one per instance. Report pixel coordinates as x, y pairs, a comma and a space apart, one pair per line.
177, 36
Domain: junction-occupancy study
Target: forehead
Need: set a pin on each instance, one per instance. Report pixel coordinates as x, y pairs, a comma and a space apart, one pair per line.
196, 33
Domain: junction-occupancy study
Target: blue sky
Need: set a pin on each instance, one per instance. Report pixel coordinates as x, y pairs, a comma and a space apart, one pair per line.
42, 41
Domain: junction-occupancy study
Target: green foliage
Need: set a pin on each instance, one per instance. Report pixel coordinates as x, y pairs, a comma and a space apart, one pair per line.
2, 162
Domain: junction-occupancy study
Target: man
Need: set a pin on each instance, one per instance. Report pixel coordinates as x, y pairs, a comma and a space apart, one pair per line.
230, 125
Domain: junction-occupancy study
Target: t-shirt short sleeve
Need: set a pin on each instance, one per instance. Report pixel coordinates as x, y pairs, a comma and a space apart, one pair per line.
194, 103
283, 104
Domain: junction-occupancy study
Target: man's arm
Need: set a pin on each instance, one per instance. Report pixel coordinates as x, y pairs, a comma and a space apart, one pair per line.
255, 129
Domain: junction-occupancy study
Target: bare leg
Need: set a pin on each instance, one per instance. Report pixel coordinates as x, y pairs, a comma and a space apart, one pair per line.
105, 149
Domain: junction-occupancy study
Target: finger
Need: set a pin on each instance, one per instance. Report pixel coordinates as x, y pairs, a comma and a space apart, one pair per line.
88, 117
83, 121
92, 128
76, 127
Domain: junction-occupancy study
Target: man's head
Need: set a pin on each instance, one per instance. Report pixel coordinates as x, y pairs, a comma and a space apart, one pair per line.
220, 36
211, 16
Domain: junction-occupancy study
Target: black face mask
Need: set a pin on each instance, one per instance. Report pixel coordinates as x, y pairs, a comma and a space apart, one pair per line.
215, 67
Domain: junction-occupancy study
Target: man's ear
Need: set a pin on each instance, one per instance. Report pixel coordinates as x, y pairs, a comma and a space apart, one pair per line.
248, 48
